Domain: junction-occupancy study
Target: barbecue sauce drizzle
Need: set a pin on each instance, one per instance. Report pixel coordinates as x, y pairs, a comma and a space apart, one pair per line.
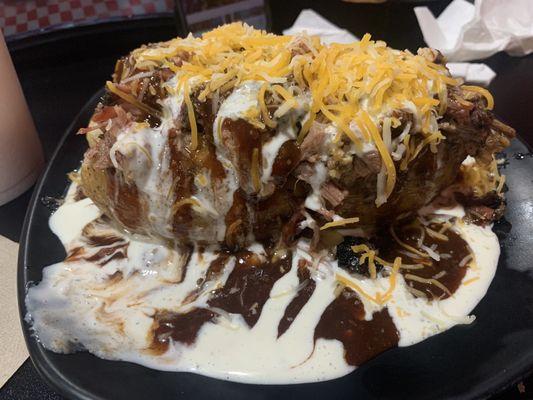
248, 287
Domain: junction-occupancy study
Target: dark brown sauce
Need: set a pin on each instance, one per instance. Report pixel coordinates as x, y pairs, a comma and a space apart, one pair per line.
242, 138
188, 250
299, 301
237, 222
152, 97
343, 320
248, 286
273, 213
205, 157
126, 204
182, 168
447, 270
204, 114
102, 240
216, 267
213, 272
75, 254
106, 254
182, 328
286, 160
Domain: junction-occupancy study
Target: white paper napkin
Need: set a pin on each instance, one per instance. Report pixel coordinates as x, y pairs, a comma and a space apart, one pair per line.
314, 24
476, 73
465, 31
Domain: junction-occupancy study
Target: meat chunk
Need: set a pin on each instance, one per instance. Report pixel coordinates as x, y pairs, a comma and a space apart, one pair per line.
313, 143
332, 194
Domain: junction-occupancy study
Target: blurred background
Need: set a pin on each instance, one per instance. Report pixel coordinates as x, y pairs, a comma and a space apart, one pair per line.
19, 18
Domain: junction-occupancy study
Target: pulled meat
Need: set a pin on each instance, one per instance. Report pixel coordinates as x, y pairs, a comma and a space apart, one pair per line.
482, 210
313, 143
332, 194
470, 129
110, 120
274, 211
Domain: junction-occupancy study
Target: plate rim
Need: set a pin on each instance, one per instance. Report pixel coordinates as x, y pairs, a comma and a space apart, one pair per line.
46, 370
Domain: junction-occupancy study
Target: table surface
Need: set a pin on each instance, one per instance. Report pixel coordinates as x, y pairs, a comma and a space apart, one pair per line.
60, 73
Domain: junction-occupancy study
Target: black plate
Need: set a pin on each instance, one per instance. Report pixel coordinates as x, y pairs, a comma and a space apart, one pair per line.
466, 362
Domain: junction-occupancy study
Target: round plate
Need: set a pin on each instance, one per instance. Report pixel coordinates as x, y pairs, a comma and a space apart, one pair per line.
465, 362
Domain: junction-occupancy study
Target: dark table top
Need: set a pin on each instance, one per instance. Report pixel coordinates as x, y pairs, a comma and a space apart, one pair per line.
60, 72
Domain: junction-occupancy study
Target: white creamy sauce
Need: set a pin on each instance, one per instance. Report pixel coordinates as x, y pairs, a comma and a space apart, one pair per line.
270, 150
147, 161
238, 105
314, 200
79, 306
240, 101
234, 107
367, 144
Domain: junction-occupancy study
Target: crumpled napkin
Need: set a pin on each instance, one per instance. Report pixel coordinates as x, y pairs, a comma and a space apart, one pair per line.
476, 73
465, 31
314, 24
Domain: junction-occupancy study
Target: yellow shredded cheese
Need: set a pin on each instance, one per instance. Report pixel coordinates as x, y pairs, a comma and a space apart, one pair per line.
406, 246
262, 105
436, 235
340, 222
192, 118
357, 83
130, 99
386, 158
392, 279
471, 280
305, 128
370, 255
352, 285
484, 92
429, 281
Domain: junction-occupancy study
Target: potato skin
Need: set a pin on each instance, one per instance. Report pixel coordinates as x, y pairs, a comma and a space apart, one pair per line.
95, 185
116, 197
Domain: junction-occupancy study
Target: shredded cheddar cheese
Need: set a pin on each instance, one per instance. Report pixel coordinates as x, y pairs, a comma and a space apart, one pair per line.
192, 119
369, 255
484, 92
471, 280
355, 87
340, 222
354, 286
130, 99
406, 246
430, 281
379, 298
264, 110
392, 279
